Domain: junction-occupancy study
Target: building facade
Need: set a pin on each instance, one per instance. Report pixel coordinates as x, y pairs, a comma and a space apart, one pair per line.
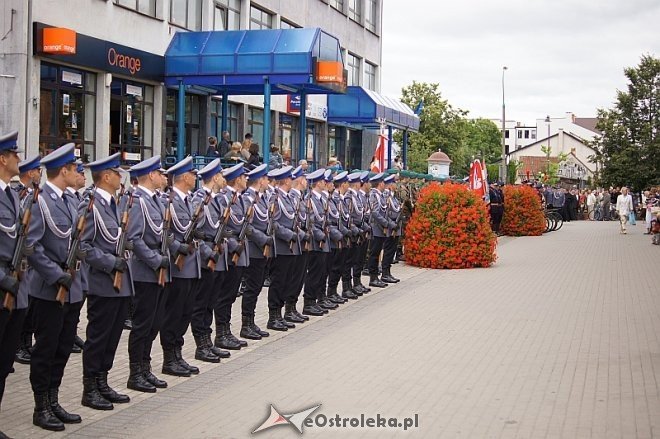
109, 96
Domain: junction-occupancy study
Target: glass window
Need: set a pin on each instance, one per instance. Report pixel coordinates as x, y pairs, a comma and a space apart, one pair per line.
260, 19
289, 137
369, 76
219, 17
371, 14
526, 134
216, 120
284, 24
353, 69
147, 7
131, 120
355, 10
67, 110
506, 134
186, 14
194, 141
520, 134
337, 4
533, 134
255, 126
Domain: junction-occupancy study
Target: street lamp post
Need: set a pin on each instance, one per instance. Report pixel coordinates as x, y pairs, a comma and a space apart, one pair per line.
503, 167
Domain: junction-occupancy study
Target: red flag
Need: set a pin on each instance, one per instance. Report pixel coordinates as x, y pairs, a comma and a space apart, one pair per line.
476, 180
378, 165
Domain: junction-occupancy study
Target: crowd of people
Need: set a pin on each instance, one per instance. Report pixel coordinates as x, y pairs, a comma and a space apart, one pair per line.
174, 248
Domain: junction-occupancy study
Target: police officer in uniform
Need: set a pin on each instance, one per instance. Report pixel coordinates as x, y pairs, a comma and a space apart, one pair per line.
287, 248
73, 194
351, 281
496, 206
363, 213
145, 231
107, 307
11, 323
380, 224
29, 175
258, 239
320, 245
296, 194
54, 218
179, 293
213, 262
231, 282
393, 233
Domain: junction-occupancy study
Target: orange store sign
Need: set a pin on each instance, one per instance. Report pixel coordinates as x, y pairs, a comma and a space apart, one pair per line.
329, 71
59, 41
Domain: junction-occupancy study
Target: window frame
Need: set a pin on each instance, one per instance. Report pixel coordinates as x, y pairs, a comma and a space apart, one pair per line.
355, 10
260, 23
370, 75
186, 25
353, 74
371, 16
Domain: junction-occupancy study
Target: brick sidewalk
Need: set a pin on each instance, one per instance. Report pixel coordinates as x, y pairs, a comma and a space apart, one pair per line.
558, 339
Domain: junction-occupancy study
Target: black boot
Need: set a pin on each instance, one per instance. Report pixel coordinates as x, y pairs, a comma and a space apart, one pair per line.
275, 321
108, 392
153, 379
387, 277
171, 365
375, 282
310, 308
128, 324
347, 292
222, 338
242, 343
246, 329
203, 352
326, 302
58, 410
358, 282
183, 363
257, 329
290, 314
92, 398
217, 351
78, 342
23, 354
43, 416
137, 381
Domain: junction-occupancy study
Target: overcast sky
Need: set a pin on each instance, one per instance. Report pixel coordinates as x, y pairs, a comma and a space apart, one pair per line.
562, 55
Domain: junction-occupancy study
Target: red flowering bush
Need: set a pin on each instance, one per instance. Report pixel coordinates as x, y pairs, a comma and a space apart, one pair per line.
522, 212
449, 229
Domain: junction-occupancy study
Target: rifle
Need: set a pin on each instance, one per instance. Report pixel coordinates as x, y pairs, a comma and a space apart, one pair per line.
167, 224
296, 221
324, 227
221, 231
241, 235
72, 258
308, 223
387, 216
270, 230
16, 264
349, 223
121, 246
190, 233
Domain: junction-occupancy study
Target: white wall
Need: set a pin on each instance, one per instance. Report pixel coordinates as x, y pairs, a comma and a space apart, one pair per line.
560, 143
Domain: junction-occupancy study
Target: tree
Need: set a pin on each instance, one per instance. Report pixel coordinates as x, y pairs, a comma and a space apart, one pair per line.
629, 148
441, 126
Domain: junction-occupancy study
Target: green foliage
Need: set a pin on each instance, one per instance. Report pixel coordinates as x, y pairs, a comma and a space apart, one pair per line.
553, 167
440, 125
629, 149
512, 171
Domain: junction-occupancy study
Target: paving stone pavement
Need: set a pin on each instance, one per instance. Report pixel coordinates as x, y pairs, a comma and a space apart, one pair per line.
558, 339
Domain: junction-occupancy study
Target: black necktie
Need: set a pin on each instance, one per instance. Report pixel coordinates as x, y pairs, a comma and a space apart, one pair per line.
9, 195
113, 205
66, 203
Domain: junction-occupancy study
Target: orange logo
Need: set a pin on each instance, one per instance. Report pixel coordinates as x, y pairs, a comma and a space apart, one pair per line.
329, 71
124, 61
59, 41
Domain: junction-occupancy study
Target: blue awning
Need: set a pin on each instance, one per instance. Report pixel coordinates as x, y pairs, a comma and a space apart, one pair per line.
238, 61
364, 107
